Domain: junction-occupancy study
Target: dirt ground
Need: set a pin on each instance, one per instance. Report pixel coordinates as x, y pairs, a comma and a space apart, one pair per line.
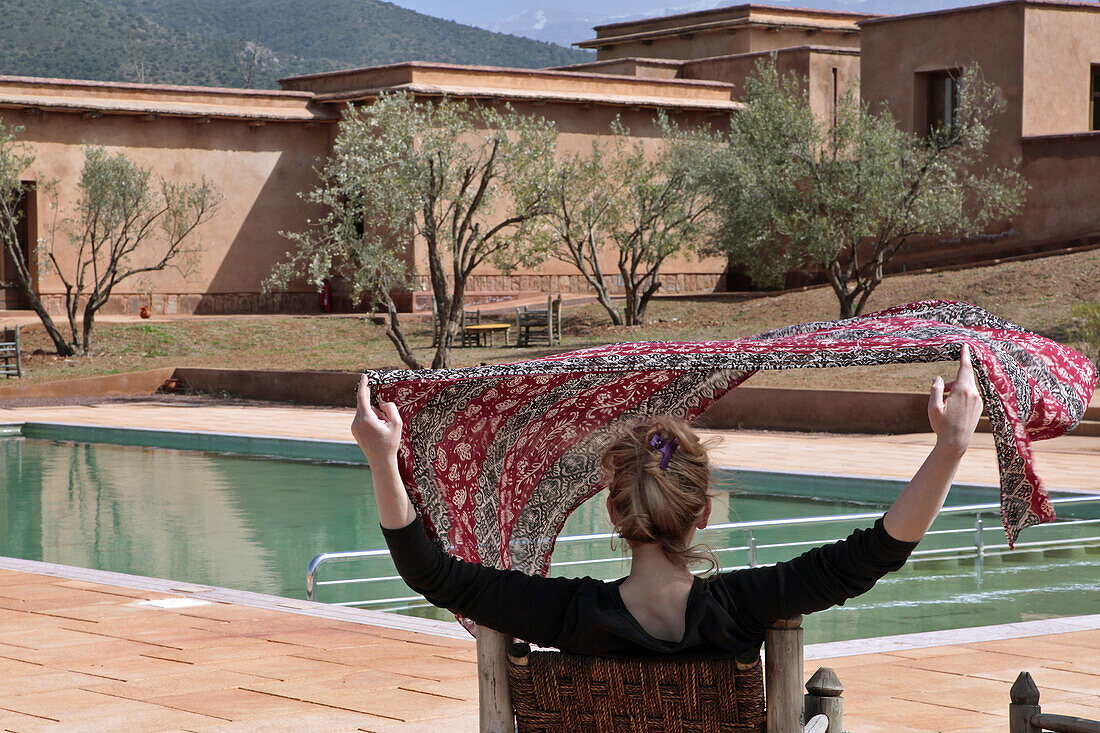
1037, 294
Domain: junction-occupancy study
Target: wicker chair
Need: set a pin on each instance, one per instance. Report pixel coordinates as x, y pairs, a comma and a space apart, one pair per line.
552, 691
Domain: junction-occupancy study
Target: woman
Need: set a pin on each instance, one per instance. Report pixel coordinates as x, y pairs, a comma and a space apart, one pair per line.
657, 476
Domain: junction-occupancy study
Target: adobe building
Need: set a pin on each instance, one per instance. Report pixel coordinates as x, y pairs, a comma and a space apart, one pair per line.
1044, 55
260, 148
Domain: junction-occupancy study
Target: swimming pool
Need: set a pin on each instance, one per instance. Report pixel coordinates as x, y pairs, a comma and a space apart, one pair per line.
254, 523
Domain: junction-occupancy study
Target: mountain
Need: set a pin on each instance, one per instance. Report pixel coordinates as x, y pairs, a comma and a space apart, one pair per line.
85, 39
353, 32
552, 24
220, 43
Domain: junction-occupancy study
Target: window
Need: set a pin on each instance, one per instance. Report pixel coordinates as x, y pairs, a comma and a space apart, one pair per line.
943, 100
1094, 101
836, 94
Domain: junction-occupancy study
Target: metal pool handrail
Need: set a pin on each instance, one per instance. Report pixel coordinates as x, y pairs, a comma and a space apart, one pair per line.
978, 546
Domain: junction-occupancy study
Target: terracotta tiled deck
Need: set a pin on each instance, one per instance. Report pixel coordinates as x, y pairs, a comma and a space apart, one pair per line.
82, 656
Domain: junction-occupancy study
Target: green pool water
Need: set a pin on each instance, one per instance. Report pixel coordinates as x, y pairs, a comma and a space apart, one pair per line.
254, 523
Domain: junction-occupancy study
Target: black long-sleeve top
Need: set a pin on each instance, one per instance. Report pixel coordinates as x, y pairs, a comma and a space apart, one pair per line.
726, 614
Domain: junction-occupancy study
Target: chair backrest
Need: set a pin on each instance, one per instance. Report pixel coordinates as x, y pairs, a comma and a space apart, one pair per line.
552, 691
1025, 715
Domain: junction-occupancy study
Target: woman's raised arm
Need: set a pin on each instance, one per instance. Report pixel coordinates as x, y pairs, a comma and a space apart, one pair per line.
954, 420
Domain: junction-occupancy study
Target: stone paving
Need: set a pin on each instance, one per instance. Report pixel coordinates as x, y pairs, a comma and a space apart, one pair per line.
83, 656
80, 656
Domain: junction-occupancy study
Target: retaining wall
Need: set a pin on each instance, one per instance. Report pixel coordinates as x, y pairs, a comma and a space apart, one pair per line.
758, 408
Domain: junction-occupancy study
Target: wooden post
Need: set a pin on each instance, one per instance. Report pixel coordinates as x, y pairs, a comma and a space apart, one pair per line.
550, 320
783, 675
824, 698
1025, 704
494, 696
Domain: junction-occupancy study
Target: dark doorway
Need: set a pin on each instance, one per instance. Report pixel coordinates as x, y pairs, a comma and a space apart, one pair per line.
11, 297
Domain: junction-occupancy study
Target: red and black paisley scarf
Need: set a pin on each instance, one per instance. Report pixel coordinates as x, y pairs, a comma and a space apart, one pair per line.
496, 457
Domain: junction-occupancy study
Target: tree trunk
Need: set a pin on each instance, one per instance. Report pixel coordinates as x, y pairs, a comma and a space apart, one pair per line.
594, 277
397, 336
22, 278
71, 304
845, 298
605, 301
442, 358
89, 320
630, 308
63, 347
643, 303
95, 302
596, 281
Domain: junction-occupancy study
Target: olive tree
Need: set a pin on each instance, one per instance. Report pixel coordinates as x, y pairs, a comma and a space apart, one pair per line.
466, 182
793, 190
125, 224
639, 206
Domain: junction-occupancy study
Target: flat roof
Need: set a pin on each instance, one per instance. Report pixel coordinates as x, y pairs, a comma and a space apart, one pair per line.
846, 25
549, 85
1067, 4
99, 97
640, 60
733, 11
622, 100
681, 63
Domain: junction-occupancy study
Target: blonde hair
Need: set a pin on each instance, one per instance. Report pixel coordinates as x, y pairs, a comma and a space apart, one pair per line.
656, 504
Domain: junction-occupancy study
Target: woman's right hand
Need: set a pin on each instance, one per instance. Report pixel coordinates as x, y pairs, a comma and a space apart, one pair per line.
378, 433
955, 419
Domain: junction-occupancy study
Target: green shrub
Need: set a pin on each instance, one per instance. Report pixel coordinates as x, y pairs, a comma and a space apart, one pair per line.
1085, 327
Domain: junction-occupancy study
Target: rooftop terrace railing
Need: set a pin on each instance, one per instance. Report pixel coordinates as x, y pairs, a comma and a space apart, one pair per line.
968, 541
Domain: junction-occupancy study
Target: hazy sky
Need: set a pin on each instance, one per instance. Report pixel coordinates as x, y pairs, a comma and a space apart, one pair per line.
567, 21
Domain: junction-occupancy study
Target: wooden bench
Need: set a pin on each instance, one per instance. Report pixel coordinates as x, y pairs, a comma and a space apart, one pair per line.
11, 353
539, 324
474, 334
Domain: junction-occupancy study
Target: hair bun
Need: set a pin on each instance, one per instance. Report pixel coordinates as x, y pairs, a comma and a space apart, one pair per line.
659, 493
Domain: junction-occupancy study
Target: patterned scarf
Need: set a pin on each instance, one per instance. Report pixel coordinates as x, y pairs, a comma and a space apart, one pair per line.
496, 457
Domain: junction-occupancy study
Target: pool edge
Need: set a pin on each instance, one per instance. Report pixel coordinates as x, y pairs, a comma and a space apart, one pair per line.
451, 629
217, 594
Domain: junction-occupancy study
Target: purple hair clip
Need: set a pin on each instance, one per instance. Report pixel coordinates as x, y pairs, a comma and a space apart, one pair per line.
666, 447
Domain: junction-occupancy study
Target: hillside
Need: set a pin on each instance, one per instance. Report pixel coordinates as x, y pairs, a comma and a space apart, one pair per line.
216, 43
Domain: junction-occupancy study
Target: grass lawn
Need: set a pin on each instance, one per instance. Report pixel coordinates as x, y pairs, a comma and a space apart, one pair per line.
1037, 294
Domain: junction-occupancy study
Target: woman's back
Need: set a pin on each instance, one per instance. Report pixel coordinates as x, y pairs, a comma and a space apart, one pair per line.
657, 477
